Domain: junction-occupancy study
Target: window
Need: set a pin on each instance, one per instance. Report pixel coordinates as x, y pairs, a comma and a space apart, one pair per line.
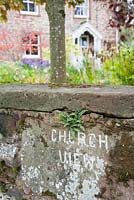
76, 41
84, 41
81, 10
31, 45
29, 8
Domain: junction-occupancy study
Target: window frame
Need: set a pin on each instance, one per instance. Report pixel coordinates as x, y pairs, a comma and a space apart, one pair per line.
80, 43
82, 6
25, 55
28, 12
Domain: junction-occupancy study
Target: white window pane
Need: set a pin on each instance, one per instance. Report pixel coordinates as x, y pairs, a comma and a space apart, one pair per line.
25, 7
27, 51
31, 45
34, 50
85, 10
29, 7
77, 11
34, 40
84, 42
32, 7
81, 10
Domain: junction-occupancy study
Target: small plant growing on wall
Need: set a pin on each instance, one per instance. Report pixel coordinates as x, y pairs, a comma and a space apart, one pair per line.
73, 121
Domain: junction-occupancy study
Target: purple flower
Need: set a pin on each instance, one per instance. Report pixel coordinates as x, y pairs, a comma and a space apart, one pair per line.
38, 63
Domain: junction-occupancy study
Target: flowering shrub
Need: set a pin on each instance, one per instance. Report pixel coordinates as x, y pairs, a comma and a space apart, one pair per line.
84, 75
119, 68
36, 63
16, 73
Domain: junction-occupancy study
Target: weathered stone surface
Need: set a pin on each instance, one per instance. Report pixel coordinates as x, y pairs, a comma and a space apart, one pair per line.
7, 123
14, 192
116, 101
72, 179
68, 169
8, 151
95, 164
6, 197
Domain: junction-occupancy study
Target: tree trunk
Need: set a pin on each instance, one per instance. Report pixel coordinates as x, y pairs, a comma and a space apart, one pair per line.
56, 13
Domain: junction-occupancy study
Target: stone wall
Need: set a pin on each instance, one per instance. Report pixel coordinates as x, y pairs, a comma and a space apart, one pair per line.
42, 159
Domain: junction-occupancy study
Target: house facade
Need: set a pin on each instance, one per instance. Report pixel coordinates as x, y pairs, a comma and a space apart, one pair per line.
26, 33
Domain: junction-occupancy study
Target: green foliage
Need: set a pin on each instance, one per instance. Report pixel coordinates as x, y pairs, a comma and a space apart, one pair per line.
119, 68
73, 121
86, 74
46, 53
75, 76
6, 5
15, 73
70, 48
24, 199
127, 37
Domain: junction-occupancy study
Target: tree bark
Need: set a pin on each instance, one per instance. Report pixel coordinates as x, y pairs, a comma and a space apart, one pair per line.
56, 13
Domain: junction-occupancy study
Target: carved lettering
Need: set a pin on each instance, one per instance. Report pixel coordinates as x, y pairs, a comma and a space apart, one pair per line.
52, 135
92, 140
81, 138
103, 140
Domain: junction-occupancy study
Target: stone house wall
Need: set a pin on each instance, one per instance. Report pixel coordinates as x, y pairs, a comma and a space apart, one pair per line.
98, 17
21, 23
